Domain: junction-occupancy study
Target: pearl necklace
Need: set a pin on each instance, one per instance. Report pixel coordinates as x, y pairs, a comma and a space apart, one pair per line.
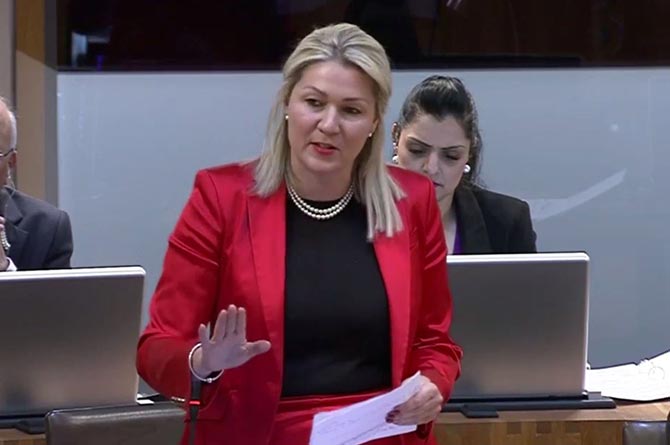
316, 213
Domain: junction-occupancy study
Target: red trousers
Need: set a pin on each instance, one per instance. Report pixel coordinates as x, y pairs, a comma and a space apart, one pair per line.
293, 423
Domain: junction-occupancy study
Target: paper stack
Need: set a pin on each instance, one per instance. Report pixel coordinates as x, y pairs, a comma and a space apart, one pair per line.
649, 380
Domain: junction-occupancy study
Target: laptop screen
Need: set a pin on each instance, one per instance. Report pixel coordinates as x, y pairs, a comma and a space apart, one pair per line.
521, 320
69, 338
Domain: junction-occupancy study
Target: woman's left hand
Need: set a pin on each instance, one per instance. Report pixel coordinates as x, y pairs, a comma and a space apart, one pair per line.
422, 407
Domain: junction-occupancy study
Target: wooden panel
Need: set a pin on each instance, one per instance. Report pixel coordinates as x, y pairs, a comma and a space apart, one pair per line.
13, 437
30, 28
559, 427
542, 433
7, 50
36, 100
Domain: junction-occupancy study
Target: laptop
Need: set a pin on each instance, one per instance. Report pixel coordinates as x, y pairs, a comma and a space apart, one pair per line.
522, 322
68, 338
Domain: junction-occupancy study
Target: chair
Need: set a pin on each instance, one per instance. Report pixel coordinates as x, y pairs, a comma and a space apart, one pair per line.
159, 424
647, 433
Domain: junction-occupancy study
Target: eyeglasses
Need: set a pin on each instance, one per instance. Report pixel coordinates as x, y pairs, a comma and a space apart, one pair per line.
9, 152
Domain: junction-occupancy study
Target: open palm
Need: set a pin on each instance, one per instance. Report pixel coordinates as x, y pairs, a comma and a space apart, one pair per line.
228, 347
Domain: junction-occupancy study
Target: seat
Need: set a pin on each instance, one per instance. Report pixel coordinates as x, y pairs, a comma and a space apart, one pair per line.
160, 424
647, 433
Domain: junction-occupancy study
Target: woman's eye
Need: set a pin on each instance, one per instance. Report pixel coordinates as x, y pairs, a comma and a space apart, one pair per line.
313, 102
416, 151
352, 110
451, 156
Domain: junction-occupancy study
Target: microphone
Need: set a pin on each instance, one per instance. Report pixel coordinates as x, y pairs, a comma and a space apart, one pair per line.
4, 199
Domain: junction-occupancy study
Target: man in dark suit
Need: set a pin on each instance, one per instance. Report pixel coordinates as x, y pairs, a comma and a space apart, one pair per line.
33, 233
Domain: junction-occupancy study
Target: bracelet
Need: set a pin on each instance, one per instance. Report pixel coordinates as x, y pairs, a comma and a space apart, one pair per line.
195, 374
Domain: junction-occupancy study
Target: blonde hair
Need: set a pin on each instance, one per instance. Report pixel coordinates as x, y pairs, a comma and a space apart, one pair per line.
373, 185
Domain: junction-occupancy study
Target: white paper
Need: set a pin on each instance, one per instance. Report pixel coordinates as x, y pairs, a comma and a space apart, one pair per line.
364, 421
647, 381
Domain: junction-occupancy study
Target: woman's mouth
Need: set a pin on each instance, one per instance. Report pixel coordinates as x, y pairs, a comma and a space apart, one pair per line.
323, 149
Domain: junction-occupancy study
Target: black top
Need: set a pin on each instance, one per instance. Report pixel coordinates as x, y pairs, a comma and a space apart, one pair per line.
490, 222
337, 335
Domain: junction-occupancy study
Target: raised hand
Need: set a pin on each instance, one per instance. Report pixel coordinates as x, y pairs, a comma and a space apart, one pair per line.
228, 346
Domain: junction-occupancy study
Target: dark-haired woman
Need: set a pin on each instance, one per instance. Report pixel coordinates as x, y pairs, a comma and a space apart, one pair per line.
437, 134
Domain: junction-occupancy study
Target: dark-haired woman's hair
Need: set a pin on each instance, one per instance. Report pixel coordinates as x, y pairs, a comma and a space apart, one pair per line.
441, 97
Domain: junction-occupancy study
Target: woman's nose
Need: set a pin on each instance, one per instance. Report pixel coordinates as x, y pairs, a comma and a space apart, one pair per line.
329, 122
430, 166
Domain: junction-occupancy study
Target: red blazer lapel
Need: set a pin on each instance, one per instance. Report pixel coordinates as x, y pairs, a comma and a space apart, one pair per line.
393, 255
267, 222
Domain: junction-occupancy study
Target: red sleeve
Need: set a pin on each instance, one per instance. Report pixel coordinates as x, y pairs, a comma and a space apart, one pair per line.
186, 293
433, 351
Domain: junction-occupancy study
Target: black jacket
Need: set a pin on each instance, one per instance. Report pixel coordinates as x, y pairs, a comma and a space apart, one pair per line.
490, 222
40, 234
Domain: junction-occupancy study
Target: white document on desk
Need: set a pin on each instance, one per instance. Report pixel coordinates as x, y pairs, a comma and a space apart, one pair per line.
649, 380
364, 421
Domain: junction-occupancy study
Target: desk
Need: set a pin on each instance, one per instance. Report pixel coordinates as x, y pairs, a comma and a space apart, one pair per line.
14, 437
560, 427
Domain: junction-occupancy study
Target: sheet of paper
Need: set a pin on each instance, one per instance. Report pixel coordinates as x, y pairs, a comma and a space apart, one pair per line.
644, 382
364, 421
662, 361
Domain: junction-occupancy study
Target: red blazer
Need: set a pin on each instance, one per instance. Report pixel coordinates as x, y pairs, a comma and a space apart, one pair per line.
228, 247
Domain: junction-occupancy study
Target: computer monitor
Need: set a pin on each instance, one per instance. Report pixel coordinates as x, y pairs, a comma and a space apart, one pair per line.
68, 338
521, 320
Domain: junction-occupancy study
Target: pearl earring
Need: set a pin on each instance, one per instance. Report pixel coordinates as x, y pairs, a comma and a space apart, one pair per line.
286, 117
370, 135
466, 169
394, 158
